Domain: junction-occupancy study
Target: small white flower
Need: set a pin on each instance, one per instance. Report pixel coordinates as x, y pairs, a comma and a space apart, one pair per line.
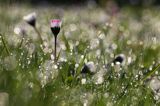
155, 84
30, 19
99, 80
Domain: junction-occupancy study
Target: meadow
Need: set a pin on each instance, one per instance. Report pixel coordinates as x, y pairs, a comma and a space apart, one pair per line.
30, 76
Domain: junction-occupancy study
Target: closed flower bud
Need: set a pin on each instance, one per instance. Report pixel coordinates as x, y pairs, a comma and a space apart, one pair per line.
30, 19
89, 68
55, 26
119, 59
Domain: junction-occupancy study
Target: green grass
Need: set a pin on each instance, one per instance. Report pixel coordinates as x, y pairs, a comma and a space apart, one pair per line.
30, 77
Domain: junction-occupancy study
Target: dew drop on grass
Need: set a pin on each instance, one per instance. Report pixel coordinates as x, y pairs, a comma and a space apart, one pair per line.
119, 75
29, 62
76, 65
21, 53
153, 62
30, 56
71, 53
65, 60
83, 81
156, 97
156, 72
150, 68
30, 85
136, 77
82, 56
140, 73
41, 46
60, 68
55, 67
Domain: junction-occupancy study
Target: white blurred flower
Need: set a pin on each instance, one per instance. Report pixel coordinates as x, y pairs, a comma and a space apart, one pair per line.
19, 31
99, 77
83, 81
100, 80
94, 43
30, 19
155, 84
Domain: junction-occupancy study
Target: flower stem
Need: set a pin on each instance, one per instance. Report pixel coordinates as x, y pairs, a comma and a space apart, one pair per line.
5, 45
55, 51
35, 28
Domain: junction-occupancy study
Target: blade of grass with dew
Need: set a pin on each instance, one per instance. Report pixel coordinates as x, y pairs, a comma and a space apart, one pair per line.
81, 63
4, 43
150, 73
59, 54
66, 42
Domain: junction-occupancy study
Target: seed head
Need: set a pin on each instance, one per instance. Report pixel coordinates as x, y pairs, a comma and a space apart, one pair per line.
30, 19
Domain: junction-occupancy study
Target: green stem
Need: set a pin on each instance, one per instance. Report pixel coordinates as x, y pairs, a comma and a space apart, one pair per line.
39, 35
21, 43
59, 54
5, 45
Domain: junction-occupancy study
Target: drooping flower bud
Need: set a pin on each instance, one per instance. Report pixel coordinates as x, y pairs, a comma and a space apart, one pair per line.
119, 59
30, 19
89, 68
55, 26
